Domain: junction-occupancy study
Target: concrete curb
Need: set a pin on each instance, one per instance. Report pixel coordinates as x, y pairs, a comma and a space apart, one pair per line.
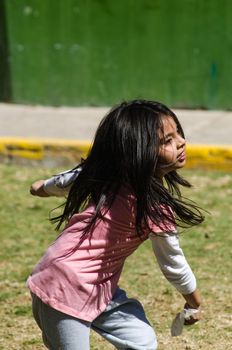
55, 152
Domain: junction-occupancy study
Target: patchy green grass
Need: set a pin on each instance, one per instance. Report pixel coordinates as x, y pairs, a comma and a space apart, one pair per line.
26, 232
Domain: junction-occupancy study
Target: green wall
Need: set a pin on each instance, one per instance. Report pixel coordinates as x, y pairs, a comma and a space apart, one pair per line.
97, 52
5, 77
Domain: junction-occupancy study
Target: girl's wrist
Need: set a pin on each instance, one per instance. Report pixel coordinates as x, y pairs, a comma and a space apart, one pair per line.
193, 300
188, 306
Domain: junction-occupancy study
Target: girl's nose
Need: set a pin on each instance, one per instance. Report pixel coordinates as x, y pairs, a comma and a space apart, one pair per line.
181, 141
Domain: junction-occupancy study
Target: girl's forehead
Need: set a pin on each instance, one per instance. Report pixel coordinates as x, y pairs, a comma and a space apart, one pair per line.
168, 124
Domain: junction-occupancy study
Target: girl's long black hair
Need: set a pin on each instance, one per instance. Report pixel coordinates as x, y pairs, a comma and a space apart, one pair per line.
125, 152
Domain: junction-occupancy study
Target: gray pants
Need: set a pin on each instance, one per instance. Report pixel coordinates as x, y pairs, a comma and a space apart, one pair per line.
123, 324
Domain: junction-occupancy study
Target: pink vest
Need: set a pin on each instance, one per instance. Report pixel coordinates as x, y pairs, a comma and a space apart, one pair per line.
81, 282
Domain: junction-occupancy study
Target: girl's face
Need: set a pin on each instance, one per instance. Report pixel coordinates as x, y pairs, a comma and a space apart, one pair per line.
172, 154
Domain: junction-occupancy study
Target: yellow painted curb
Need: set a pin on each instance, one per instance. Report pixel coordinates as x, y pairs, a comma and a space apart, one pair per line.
216, 157
39, 149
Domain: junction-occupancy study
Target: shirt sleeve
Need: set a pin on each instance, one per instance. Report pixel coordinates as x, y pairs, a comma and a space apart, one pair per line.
60, 184
172, 262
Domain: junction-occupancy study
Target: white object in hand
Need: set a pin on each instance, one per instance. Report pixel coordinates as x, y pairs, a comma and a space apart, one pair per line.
178, 322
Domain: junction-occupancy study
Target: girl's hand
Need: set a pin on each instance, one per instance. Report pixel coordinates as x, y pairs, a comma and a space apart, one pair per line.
191, 315
37, 189
187, 316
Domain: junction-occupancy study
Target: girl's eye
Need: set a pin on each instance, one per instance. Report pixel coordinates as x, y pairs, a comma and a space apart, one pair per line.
167, 141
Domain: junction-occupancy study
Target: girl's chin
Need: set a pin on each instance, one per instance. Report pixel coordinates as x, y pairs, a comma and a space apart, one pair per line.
177, 166
165, 169
181, 163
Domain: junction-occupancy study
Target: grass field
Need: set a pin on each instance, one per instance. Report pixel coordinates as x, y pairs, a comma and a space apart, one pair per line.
26, 232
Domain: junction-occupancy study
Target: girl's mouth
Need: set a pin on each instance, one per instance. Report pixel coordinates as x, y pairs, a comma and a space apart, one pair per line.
182, 157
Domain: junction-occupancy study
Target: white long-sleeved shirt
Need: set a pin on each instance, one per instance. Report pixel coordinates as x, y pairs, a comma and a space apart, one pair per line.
60, 184
172, 262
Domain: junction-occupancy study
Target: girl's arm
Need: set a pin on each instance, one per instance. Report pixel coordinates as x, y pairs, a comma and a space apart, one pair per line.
175, 268
58, 185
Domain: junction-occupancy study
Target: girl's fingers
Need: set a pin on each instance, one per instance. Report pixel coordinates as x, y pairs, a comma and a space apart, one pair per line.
190, 321
192, 318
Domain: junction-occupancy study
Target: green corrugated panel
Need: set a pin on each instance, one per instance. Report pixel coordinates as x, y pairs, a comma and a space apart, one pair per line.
96, 52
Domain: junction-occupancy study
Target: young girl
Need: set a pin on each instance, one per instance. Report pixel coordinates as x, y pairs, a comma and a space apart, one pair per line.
126, 191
